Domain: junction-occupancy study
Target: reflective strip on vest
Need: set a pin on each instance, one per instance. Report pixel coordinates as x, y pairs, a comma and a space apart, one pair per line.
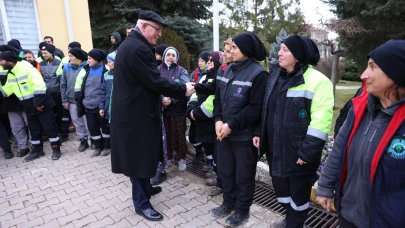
205, 111
223, 79
317, 133
300, 93
18, 79
242, 83
65, 119
77, 90
26, 97
108, 77
40, 92
193, 99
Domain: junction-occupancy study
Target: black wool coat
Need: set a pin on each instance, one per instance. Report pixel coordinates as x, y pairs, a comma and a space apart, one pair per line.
135, 122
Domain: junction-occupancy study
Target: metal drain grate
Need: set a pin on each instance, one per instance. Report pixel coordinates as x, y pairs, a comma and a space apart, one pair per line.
266, 197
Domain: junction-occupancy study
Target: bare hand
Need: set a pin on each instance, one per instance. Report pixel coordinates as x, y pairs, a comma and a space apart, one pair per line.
301, 162
190, 88
40, 108
256, 142
218, 127
166, 101
225, 131
324, 202
66, 106
192, 116
101, 112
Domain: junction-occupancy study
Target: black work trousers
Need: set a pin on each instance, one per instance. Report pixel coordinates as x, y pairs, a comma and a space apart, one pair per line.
61, 114
4, 143
43, 121
294, 194
237, 169
95, 122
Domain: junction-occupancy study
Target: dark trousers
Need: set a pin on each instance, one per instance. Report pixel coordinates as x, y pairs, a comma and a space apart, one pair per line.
62, 115
95, 122
237, 169
209, 149
4, 143
214, 164
43, 121
5, 121
294, 194
343, 223
141, 193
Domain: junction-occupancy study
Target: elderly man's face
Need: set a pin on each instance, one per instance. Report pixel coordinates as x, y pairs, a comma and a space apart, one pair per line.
152, 31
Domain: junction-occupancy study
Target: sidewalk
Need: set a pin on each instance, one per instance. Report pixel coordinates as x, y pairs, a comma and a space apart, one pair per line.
80, 191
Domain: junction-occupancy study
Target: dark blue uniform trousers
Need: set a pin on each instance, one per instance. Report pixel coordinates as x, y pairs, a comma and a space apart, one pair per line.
141, 193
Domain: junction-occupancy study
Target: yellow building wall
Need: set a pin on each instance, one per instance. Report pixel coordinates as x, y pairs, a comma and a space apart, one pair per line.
52, 19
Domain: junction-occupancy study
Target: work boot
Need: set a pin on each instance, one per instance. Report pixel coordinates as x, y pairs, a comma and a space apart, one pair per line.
221, 211
208, 166
198, 154
23, 152
214, 191
282, 223
236, 219
56, 154
158, 178
96, 152
83, 145
211, 181
34, 155
105, 152
8, 155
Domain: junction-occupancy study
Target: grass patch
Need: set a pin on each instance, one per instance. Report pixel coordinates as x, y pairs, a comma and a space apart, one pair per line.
348, 83
341, 97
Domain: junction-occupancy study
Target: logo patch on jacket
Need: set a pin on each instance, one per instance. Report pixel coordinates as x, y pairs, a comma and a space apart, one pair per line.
237, 94
397, 148
302, 114
25, 88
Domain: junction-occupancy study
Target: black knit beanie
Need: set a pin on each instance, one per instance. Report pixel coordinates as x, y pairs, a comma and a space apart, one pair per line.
390, 57
250, 45
204, 55
4, 48
303, 49
15, 44
161, 49
97, 54
48, 47
78, 53
75, 44
9, 56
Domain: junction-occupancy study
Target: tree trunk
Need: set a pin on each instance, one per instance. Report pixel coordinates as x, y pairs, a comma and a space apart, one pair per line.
335, 70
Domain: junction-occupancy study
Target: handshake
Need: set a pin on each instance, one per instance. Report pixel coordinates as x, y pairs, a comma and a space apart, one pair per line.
190, 88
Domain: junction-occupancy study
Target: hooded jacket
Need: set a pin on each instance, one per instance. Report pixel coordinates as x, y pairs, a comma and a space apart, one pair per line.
68, 81
174, 73
115, 46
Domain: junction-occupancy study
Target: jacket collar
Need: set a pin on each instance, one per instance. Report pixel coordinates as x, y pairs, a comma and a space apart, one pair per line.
138, 35
237, 66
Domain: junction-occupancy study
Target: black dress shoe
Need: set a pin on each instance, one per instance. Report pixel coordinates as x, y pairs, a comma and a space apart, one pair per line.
150, 214
155, 190
236, 219
158, 178
34, 156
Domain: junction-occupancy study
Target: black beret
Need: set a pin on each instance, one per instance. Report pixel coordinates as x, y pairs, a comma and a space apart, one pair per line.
75, 44
48, 47
97, 54
148, 15
78, 53
9, 56
391, 59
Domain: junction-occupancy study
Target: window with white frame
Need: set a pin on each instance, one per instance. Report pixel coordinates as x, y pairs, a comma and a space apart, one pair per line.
19, 21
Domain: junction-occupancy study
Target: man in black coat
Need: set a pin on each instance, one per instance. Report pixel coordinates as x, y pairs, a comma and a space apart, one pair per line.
136, 134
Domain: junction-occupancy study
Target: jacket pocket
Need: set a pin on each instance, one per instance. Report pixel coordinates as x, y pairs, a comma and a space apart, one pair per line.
298, 141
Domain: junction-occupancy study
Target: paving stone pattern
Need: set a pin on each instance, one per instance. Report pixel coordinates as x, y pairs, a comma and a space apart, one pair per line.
80, 191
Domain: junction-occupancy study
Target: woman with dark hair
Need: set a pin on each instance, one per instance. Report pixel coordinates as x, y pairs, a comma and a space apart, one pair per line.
297, 114
200, 108
365, 171
237, 107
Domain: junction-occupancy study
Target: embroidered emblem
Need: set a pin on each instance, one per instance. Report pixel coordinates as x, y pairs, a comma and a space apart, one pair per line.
302, 114
25, 87
177, 80
397, 148
237, 94
239, 90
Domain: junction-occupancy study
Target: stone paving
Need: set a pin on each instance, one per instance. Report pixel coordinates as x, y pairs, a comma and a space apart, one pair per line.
80, 191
